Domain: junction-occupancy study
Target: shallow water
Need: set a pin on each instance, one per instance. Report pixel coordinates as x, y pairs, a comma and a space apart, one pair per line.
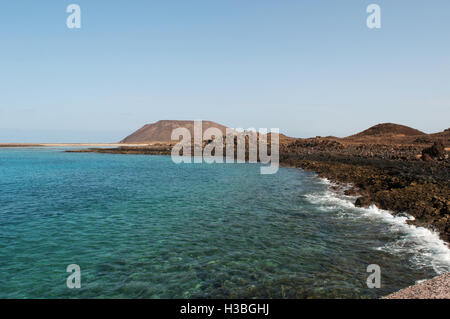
143, 227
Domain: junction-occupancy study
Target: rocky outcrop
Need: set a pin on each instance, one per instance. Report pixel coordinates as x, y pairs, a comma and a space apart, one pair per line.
436, 151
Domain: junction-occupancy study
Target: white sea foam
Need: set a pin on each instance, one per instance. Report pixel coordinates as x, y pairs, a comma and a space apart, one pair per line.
424, 245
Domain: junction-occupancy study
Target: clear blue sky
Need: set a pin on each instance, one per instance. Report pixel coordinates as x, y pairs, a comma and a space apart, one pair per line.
307, 67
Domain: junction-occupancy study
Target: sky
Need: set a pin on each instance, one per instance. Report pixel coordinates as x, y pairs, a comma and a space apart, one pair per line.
306, 67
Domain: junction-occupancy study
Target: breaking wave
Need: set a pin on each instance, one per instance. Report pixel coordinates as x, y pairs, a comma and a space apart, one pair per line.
423, 245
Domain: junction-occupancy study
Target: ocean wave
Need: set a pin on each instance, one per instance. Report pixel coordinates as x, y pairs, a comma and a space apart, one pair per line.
424, 245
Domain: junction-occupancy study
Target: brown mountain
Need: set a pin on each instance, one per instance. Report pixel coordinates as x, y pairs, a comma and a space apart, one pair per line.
161, 131
389, 129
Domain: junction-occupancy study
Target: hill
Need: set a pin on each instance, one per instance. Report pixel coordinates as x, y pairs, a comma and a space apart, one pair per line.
161, 131
389, 129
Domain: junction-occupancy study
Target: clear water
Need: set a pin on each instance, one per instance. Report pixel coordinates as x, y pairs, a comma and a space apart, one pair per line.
143, 227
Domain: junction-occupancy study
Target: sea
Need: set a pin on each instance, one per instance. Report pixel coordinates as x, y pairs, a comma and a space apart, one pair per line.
139, 226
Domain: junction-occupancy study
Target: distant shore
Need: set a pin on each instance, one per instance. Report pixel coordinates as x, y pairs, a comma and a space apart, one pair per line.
67, 144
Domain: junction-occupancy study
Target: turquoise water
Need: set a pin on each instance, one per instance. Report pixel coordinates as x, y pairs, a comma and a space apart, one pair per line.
143, 227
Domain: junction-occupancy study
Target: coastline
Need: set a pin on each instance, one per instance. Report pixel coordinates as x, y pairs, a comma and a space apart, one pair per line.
352, 180
425, 200
437, 287
399, 183
418, 188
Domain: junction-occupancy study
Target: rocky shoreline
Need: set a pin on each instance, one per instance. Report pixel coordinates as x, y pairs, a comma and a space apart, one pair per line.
411, 179
412, 186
